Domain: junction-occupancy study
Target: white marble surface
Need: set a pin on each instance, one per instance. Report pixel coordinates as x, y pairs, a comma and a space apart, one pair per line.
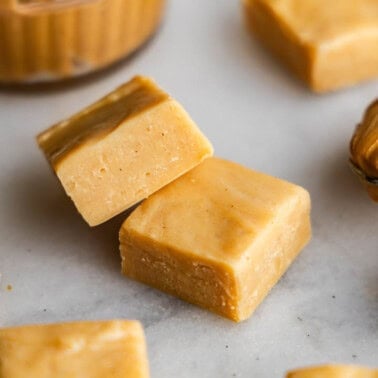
325, 309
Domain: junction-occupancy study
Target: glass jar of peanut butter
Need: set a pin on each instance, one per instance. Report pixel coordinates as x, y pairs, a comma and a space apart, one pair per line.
45, 40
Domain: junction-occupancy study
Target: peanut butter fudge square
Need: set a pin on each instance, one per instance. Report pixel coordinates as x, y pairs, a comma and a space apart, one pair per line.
101, 349
328, 44
122, 149
220, 236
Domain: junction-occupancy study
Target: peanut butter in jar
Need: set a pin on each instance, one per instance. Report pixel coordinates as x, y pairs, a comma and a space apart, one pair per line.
45, 40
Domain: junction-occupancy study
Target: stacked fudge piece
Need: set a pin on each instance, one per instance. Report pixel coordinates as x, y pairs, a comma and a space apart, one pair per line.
209, 231
123, 148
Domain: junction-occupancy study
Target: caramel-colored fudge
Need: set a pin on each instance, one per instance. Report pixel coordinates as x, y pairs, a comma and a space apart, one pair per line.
334, 371
328, 44
105, 349
364, 150
220, 236
122, 149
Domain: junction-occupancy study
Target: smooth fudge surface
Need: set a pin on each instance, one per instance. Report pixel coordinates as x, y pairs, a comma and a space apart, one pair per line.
220, 236
334, 371
122, 149
329, 44
101, 349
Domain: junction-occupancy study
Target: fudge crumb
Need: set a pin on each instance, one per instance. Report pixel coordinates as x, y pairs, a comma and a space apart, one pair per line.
9, 287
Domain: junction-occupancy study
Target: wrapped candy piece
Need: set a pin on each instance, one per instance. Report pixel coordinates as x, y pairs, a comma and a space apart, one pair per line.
364, 150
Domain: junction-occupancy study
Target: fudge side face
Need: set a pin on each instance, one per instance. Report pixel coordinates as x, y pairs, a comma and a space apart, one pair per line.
334, 371
123, 148
106, 349
328, 44
220, 236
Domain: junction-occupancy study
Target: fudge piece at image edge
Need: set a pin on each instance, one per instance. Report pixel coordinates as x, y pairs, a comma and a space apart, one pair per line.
334, 371
96, 349
220, 236
364, 150
328, 44
122, 149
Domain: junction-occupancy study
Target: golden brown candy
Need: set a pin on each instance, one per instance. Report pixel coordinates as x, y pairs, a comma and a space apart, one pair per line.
364, 150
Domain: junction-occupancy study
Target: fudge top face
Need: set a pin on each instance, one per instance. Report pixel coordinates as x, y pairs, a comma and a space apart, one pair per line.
91, 349
100, 119
217, 211
324, 21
